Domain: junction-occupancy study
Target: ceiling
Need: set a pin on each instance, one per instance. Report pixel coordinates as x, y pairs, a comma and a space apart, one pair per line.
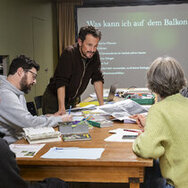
116, 2
121, 2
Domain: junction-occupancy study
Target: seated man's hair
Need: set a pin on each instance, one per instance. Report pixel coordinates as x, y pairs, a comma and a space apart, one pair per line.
24, 62
89, 30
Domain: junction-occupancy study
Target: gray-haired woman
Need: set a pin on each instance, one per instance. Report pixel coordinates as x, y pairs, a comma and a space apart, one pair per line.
166, 126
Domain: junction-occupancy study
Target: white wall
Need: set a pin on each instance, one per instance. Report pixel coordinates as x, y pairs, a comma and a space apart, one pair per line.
21, 22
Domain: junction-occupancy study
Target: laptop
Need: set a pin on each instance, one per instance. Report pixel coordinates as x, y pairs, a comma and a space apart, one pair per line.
111, 93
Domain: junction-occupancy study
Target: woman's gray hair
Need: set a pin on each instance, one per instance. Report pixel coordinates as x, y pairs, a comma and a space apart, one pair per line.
165, 76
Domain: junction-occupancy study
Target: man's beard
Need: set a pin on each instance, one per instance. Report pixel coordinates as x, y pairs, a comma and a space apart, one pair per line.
24, 86
85, 54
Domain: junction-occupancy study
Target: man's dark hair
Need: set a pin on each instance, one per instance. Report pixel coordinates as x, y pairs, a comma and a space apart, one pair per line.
89, 30
22, 61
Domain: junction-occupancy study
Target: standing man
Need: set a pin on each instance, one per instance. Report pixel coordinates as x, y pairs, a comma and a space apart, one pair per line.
13, 110
77, 65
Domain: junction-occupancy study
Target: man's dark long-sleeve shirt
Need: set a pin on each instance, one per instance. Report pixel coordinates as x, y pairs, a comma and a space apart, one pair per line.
73, 73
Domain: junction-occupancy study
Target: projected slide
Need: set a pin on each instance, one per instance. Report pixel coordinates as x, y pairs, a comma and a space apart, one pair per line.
133, 36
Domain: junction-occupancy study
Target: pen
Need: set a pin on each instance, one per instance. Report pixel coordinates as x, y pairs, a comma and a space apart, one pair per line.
131, 130
87, 118
66, 148
58, 148
70, 109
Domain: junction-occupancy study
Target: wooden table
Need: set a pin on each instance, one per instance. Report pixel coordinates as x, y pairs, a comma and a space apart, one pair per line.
118, 164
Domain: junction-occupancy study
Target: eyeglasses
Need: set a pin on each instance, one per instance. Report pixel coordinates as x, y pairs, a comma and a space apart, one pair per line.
33, 74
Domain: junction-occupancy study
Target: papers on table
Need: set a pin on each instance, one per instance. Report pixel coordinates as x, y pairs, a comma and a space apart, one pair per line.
98, 111
73, 153
129, 120
105, 94
119, 133
117, 138
77, 118
77, 115
88, 107
123, 109
25, 150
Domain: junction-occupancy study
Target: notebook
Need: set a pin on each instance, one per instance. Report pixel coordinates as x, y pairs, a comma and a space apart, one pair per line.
74, 131
68, 128
76, 137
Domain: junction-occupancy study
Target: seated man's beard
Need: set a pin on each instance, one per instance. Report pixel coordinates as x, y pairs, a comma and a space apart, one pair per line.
24, 86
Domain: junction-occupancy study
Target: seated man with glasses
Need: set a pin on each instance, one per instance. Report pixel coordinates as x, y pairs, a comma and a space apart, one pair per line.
34, 75
13, 111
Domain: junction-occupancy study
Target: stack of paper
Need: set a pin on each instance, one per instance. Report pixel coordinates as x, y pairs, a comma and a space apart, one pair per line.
123, 109
41, 135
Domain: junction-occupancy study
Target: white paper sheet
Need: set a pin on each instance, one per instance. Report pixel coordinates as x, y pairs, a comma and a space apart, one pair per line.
73, 153
77, 118
119, 133
25, 150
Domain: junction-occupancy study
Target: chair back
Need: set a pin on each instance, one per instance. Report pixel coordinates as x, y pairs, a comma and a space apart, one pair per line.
31, 108
38, 101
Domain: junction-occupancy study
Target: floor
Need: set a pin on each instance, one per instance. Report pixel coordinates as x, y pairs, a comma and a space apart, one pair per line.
98, 185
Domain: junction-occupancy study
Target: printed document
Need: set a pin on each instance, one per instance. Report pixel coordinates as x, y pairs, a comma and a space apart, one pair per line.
25, 150
123, 109
73, 153
122, 135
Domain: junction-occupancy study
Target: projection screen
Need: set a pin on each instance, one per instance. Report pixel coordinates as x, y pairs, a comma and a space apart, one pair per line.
133, 36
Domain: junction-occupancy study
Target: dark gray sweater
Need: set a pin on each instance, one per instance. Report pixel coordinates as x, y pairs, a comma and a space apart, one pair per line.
14, 114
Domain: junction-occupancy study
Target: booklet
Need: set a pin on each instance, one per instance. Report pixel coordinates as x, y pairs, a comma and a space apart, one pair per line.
41, 135
76, 137
68, 128
74, 131
25, 150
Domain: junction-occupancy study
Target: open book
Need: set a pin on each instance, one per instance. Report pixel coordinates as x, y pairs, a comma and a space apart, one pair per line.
41, 135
